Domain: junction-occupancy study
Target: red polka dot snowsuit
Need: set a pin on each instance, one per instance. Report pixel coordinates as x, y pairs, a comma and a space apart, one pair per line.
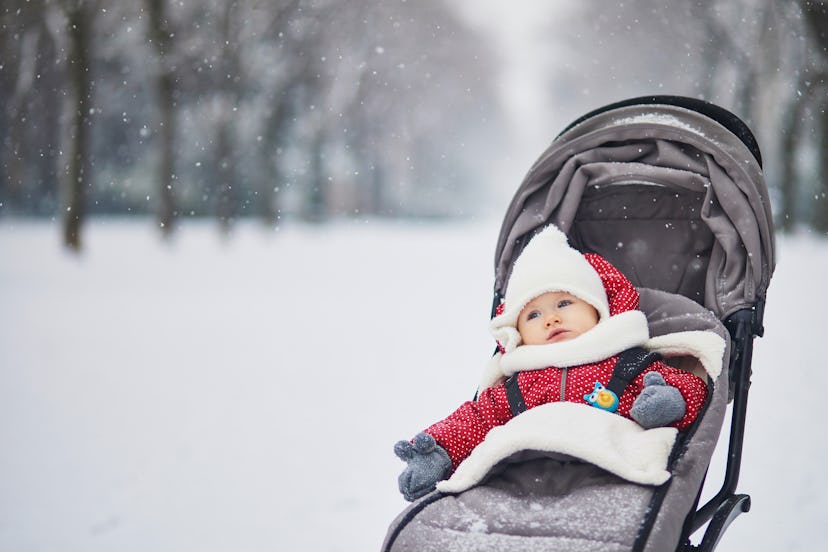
466, 428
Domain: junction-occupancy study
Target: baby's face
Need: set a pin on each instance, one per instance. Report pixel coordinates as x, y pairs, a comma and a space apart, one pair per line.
553, 317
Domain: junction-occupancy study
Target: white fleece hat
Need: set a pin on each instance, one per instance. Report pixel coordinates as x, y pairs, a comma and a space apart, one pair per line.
548, 263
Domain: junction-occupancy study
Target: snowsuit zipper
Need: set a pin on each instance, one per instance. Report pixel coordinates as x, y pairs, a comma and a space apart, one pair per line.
563, 384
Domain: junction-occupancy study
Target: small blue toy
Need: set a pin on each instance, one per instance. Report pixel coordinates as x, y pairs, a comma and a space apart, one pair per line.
602, 398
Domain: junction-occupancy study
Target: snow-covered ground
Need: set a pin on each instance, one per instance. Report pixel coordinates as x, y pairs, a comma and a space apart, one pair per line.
244, 394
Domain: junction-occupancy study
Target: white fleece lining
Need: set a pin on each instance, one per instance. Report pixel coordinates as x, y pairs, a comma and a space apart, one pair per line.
607, 440
706, 346
492, 374
607, 338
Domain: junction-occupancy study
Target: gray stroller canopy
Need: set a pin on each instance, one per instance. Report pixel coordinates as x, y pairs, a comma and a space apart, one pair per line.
673, 198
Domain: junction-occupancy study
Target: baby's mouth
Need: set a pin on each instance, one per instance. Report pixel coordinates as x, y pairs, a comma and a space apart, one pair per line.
556, 333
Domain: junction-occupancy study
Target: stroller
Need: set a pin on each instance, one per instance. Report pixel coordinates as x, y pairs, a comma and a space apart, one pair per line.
670, 190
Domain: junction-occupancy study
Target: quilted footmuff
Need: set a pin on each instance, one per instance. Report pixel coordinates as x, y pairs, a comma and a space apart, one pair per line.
547, 504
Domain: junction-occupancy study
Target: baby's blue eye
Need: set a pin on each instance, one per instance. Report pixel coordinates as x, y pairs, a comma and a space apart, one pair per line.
564, 303
532, 315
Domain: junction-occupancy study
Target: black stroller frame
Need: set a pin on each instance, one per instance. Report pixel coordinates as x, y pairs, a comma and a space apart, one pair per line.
744, 326
726, 505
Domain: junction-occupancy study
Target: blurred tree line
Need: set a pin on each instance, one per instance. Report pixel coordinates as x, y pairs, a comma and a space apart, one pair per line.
764, 60
238, 108
314, 108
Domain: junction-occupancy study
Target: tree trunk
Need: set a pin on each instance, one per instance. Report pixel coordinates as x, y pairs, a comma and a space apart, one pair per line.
165, 96
15, 162
816, 17
166, 167
316, 200
787, 213
270, 160
227, 200
821, 212
49, 107
77, 172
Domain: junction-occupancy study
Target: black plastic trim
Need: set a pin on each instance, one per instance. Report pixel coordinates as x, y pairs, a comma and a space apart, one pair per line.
725, 514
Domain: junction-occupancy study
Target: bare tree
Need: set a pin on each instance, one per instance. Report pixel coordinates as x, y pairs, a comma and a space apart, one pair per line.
228, 95
335, 104
801, 60
161, 34
790, 53
30, 114
274, 104
786, 210
19, 45
80, 17
816, 18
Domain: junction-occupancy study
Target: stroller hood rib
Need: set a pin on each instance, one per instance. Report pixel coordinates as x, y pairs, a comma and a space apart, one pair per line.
619, 169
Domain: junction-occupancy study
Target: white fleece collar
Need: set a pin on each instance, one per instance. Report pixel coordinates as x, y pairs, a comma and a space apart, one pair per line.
607, 338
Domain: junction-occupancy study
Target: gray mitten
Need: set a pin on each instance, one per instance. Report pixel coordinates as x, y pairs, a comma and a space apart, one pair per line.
428, 463
658, 404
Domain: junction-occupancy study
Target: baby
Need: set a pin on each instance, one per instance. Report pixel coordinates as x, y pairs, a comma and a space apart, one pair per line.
565, 319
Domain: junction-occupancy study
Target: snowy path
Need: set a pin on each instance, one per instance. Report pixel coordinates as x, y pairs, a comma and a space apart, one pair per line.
244, 395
